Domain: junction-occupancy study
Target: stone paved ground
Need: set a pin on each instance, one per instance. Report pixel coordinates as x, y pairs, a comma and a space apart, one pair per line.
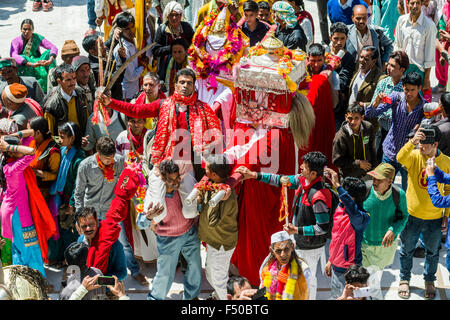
68, 20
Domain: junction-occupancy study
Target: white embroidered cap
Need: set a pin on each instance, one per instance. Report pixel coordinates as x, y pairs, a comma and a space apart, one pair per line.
281, 236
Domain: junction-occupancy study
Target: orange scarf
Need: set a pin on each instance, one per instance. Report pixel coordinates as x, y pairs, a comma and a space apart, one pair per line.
108, 171
36, 164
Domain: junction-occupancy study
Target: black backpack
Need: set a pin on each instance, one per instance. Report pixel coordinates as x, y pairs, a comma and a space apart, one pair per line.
395, 196
334, 201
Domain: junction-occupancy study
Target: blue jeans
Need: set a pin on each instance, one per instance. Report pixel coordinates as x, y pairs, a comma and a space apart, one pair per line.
132, 263
431, 231
337, 284
398, 167
91, 14
168, 252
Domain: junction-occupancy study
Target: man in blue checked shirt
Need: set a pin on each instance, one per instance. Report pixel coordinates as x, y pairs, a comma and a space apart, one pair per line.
407, 112
397, 64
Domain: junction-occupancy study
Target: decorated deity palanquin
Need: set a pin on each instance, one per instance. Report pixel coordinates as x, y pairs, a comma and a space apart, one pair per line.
265, 82
217, 46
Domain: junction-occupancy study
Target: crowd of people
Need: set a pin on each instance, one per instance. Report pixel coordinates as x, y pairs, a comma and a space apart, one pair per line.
146, 147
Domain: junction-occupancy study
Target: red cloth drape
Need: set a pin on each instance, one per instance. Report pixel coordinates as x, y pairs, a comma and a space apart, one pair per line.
259, 203
321, 138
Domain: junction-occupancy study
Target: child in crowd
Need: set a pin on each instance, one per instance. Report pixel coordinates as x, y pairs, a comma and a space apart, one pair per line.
349, 222
218, 224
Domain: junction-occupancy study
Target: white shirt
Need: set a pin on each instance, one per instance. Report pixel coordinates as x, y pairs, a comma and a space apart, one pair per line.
130, 83
66, 96
417, 39
348, 4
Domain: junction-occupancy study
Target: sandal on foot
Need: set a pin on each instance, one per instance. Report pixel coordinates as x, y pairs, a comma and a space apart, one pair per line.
36, 5
430, 290
47, 6
400, 290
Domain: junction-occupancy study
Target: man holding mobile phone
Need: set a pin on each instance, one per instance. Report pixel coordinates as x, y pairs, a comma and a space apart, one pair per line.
356, 288
424, 217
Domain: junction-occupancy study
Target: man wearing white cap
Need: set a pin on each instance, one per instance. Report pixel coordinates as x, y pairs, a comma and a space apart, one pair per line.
283, 274
13, 97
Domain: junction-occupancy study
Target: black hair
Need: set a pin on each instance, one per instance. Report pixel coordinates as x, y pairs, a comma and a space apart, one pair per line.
76, 254
263, 5
316, 49
11, 140
168, 166
356, 273
185, 72
250, 6
105, 146
88, 42
437, 131
64, 68
219, 164
356, 188
124, 19
181, 42
412, 78
339, 27
355, 108
298, 3
41, 124
316, 161
401, 58
445, 101
374, 50
84, 213
66, 129
240, 280
27, 21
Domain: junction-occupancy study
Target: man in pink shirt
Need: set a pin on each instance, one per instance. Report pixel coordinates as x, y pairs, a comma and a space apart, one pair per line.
174, 234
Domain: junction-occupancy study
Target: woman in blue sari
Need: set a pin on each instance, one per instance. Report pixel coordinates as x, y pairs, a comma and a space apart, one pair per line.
63, 188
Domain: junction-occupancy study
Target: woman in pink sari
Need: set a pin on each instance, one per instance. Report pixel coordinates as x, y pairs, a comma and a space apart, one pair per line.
24, 219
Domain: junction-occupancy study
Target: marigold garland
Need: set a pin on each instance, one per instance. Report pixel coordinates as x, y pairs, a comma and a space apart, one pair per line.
207, 66
289, 272
284, 203
206, 185
285, 65
332, 62
133, 164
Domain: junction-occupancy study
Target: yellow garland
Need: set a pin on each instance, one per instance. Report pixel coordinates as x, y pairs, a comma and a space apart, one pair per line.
289, 289
285, 59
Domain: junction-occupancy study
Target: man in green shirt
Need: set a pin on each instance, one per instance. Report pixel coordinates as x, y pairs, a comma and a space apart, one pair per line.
380, 237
